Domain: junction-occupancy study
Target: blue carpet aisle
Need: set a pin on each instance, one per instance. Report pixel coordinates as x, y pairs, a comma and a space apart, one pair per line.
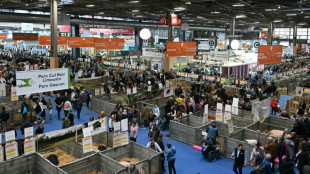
188, 160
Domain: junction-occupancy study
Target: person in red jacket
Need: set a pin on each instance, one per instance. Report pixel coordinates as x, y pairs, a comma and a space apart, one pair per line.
274, 105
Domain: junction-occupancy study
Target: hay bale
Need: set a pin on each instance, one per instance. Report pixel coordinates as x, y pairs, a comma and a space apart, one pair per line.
126, 161
63, 157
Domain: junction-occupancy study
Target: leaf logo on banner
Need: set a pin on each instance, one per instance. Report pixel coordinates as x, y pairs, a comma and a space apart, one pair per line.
28, 82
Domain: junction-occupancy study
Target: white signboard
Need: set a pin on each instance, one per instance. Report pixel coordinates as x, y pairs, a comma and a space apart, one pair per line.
219, 55
168, 92
2, 89
149, 88
1, 154
219, 116
42, 80
128, 91
124, 125
27, 26
134, 90
97, 91
124, 138
87, 132
87, 144
10, 136
14, 96
230, 128
205, 114
11, 150
117, 126
28, 132
219, 106
29, 147
116, 140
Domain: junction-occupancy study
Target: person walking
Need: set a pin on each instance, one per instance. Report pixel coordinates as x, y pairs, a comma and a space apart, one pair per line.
4, 119
158, 122
156, 110
44, 103
78, 107
240, 157
59, 103
134, 129
88, 96
271, 148
38, 108
145, 115
274, 106
67, 107
24, 110
49, 106
171, 158
160, 142
153, 145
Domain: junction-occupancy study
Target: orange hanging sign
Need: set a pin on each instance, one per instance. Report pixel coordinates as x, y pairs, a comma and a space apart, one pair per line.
269, 54
81, 42
175, 49
3, 36
26, 36
109, 44
46, 40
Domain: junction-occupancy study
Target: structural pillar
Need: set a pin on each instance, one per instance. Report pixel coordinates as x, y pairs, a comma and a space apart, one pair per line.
270, 33
138, 40
232, 31
295, 40
54, 61
75, 32
170, 29
181, 35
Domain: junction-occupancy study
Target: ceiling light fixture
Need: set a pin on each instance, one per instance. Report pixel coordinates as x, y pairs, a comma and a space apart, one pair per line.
139, 16
279, 6
241, 16
133, 2
179, 9
291, 14
215, 12
278, 20
306, 17
188, 3
303, 23
257, 22
135, 11
200, 17
238, 5
90, 5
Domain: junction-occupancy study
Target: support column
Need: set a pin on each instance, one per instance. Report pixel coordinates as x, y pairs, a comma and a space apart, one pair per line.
232, 30
182, 36
138, 40
270, 33
75, 32
295, 40
54, 61
170, 29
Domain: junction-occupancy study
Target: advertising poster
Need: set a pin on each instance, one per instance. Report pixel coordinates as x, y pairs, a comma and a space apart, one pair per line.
29, 147
269, 54
87, 144
116, 140
11, 150
124, 138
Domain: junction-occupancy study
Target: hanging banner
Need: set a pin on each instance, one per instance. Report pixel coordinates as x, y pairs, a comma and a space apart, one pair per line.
175, 49
128, 91
124, 138
307, 90
3, 36
163, 20
46, 40
109, 43
219, 55
14, 96
29, 147
1, 154
42, 80
9, 136
269, 54
87, 144
28, 132
116, 140
11, 150
81, 42
26, 36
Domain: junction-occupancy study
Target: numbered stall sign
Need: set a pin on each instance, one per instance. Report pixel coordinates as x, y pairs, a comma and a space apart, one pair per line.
87, 144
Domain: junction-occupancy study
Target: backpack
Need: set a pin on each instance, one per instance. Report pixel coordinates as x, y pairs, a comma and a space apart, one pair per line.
262, 168
66, 105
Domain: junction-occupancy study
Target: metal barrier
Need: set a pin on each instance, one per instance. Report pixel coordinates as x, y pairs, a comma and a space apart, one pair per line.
264, 128
134, 150
93, 163
241, 122
276, 121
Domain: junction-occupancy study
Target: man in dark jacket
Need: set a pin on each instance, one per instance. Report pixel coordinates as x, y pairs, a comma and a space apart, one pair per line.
40, 129
212, 132
178, 91
240, 159
4, 117
59, 103
24, 110
301, 108
78, 107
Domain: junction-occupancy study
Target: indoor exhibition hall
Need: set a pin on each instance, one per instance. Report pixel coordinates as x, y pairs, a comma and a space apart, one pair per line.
154, 87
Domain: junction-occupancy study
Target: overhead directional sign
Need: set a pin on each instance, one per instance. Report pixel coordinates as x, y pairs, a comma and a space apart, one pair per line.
256, 44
